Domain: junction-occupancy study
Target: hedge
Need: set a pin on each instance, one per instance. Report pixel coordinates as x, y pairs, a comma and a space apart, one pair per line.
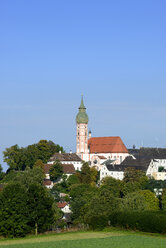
146, 221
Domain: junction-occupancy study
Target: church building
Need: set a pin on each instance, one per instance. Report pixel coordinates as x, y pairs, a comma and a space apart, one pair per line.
96, 150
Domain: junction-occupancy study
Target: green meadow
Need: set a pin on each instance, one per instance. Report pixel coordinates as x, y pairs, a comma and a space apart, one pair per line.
113, 239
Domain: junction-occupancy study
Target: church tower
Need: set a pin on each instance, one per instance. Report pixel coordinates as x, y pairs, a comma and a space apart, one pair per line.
82, 132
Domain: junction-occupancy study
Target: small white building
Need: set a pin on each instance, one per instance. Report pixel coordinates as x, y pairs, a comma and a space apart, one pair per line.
67, 158
116, 171
157, 169
65, 208
111, 170
48, 183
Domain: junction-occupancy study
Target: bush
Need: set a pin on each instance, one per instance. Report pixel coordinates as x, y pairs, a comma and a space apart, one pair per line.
146, 221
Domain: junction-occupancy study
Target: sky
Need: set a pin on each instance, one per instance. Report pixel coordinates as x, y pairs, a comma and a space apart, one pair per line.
112, 52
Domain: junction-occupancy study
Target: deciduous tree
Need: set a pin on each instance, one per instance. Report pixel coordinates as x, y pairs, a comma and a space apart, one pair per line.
20, 158
56, 170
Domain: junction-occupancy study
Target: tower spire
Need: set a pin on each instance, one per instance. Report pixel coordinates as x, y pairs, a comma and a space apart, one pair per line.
82, 106
82, 116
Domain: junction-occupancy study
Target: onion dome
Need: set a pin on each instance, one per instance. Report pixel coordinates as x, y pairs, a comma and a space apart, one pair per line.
82, 116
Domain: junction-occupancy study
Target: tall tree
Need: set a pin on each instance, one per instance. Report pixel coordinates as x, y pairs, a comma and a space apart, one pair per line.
40, 208
25, 177
140, 200
133, 175
20, 158
97, 209
80, 194
13, 211
113, 185
87, 175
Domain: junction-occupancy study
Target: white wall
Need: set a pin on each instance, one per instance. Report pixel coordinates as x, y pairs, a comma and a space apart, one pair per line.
104, 172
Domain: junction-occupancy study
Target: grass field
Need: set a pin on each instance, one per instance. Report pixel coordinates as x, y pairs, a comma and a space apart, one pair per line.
112, 239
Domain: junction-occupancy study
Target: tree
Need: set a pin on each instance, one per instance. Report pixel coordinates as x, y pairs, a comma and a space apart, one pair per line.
97, 209
151, 199
95, 175
13, 156
155, 184
26, 177
133, 175
40, 208
72, 179
87, 175
140, 200
13, 211
56, 170
113, 185
20, 158
80, 194
39, 164
26, 205
2, 174
130, 187
163, 199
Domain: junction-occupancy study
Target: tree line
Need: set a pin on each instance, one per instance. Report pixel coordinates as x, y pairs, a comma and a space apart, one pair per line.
26, 206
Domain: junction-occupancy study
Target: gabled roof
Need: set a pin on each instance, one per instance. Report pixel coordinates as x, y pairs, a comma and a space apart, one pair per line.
67, 168
138, 164
129, 162
106, 145
65, 157
148, 153
47, 182
61, 204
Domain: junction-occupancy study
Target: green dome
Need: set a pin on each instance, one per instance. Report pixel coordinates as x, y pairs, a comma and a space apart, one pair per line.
82, 116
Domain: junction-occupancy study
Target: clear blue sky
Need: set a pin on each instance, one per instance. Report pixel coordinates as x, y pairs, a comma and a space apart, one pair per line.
51, 51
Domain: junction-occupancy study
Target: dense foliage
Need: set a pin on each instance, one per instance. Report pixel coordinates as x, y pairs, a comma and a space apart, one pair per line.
20, 158
26, 206
56, 171
146, 221
2, 174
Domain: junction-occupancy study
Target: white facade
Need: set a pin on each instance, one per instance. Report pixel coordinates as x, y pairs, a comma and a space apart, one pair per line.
66, 209
77, 164
104, 172
153, 169
118, 157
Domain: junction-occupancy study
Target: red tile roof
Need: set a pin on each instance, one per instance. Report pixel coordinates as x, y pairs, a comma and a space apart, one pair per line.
61, 204
47, 182
106, 145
